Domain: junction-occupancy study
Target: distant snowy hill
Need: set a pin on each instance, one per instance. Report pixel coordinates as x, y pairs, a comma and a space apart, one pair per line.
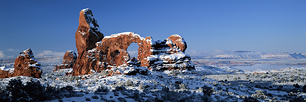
256, 55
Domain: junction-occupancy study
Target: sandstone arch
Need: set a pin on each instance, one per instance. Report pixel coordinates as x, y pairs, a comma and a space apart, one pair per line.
115, 47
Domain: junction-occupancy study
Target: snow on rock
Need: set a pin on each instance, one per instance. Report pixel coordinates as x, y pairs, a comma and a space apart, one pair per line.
90, 19
25, 65
10, 70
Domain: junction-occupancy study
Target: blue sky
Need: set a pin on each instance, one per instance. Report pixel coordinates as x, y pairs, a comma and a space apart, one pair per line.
208, 26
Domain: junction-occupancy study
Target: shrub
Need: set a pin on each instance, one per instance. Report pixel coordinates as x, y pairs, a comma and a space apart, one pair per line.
4, 95
34, 91
264, 76
296, 85
102, 88
183, 86
304, 88
274, 74
136, 96
120, 88
95, 97
250, 99
292, 94
116, 93
141, 86
207, 90
129, 83
122, 99
297, 99
16, 88
206, 98
259, 94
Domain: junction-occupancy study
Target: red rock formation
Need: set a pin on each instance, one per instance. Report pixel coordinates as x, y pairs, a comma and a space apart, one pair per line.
115, 47
91, 61
25, 65
6, 72
68, 61
88, 32
169, 54
178, 41
86, 36
111, 51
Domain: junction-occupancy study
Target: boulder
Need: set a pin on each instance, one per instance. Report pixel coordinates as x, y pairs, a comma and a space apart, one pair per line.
25, 65
68, 61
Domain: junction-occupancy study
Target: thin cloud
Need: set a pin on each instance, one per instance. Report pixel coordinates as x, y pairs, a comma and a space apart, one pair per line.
12, 50
49, 53
9, 56
2, 54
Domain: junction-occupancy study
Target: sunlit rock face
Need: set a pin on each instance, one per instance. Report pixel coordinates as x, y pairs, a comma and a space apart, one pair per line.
25, 65
88, 32
86, 36
97, 53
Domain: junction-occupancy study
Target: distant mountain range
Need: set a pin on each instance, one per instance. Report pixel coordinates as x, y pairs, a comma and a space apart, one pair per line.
51, 61
254, 55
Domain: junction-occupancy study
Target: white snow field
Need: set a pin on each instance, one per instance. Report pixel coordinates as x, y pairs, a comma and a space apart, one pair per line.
206, 83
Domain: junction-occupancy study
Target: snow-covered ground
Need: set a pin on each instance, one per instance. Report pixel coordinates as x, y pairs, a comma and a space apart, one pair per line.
224, 84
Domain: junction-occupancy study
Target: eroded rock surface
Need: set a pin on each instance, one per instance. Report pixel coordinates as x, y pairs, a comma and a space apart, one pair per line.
25, 65
69, 59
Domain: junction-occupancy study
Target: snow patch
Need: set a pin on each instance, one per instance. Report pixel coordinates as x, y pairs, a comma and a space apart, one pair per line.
124, 33
4, 68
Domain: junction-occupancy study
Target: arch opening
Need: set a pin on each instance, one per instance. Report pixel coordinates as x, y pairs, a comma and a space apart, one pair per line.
133, 50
